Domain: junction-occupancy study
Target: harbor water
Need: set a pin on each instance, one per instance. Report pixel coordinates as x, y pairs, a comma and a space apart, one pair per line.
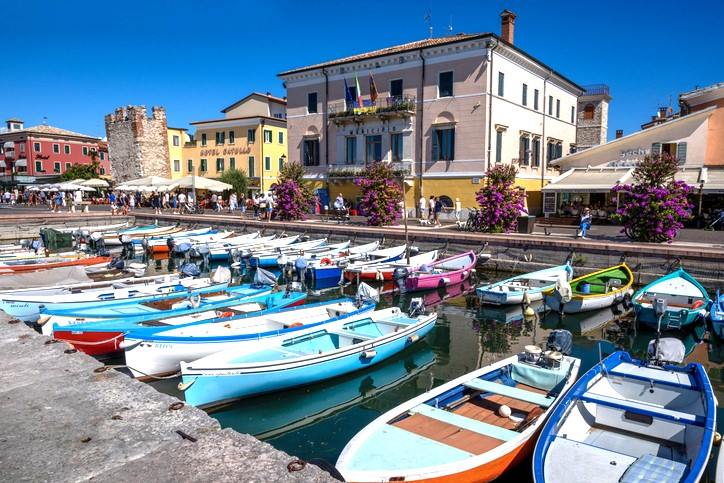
316, 421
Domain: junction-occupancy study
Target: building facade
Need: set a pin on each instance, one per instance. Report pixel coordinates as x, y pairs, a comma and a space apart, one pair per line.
177, 138
138, 145
251, 137
40, 154
441, 110
592, 125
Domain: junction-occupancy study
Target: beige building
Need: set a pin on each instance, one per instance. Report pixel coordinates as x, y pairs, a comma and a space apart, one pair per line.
446, 109
251, 137
177, 139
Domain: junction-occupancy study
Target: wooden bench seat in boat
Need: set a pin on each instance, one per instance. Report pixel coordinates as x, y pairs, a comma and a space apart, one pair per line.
486, 410
513, 392
643, 408
466, 423
445, 433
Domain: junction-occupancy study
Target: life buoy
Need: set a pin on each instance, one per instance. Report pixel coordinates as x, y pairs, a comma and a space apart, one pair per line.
295, 324
697, 304
325, 261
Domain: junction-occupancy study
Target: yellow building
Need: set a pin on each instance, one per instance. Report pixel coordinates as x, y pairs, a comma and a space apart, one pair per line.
177, 139
251, 137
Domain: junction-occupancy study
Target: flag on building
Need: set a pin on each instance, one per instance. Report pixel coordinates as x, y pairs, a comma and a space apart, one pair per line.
359, 91
373, 89
348, 97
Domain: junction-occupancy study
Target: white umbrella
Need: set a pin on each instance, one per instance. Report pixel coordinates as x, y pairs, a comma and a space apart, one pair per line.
147, 181
95, 183
200, 183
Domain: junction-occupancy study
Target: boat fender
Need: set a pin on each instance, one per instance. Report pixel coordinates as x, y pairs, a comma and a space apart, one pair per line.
369, 354
295, 324
564, 289
226, 314
195, 300
697, 304
325, 261
413, 338
504, 411
378, 276
717, 439
182, 386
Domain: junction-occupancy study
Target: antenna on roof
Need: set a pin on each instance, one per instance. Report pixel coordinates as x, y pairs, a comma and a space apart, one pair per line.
45, 120
449, 25
428, 21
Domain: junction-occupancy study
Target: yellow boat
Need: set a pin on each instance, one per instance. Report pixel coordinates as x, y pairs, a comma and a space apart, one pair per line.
594, 291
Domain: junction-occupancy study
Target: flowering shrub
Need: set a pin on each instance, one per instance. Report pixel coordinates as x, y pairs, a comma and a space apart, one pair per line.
381, 196
293, 196
500, 202
654, 207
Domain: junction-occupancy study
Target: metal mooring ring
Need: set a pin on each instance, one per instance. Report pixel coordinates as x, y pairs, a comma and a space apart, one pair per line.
296, 465
176, 406
98, 370
70, 351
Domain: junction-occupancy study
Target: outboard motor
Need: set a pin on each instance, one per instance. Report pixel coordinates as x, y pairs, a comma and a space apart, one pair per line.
399, 275
26, 244
189, 269
668, 349
181, 248
560, 342
170, 243
127, 244
235, 256
204, 252
417, 307
117, 263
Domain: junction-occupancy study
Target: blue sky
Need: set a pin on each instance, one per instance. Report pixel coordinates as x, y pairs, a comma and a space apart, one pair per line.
76, 60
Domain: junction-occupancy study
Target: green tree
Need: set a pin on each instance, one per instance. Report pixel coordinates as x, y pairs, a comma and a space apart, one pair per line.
237, 179
81, 171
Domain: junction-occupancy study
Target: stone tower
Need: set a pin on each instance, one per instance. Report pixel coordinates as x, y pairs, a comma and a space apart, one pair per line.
592, 127
137, 144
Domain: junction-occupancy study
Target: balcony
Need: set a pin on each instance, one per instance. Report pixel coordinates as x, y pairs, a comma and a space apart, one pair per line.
350, 171
382, 108
596, 90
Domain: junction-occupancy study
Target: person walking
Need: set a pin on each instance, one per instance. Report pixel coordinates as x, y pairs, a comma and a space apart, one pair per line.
182, 203
269, 206
585, 224
232, 202
78, 201
431, 209
458, 209
423, 205
437, 210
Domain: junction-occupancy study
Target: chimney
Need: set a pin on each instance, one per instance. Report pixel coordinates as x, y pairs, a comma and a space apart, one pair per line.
507, 27
662, 112
619, 133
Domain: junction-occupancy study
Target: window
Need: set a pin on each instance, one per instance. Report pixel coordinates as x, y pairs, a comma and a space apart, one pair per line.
67, 166
219, 165
232, 163
396, 147
176, 140
22, 147
203, 165
36, 147
535, 99
559, 150
501, 84
589, 111
550, 105
66, 149
250, 136
573, 114
311, 102
267, 136
280, 137
350, 150
190, 165
177, 165
558, 108
103, 155
220, 137
38, 166
373, 148
443, 144
550, 150
203, 139
535, 153
267, 163
102, 170
499, 146
85, 150
445, 84
250, 172
232, 137
523, 150
525, 95
281, 163
56, 148
681, 153
56, 167
396, 88
310, 152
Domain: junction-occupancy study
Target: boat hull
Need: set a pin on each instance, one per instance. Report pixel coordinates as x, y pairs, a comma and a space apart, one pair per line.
210, 388
583, 304
427, 281
670, 320
92, 343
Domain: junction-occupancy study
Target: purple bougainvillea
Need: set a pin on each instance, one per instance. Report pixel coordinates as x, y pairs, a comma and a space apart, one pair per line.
381, 195
293, 198
500, 202
654, 208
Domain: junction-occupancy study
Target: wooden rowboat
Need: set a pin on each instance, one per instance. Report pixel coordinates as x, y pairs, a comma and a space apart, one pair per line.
682, 299
34, 265
513, 290
472, 428
384, 270
444, 272
594, 291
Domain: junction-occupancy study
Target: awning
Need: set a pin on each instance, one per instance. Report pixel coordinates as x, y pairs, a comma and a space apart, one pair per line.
588, 180
692, 176
21, 163
714, 181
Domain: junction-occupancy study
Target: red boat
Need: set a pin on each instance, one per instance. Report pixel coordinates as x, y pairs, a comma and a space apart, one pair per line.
92, 343
35, 265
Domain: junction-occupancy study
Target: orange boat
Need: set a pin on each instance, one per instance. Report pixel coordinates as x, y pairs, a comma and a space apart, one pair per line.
471, 429
35, 265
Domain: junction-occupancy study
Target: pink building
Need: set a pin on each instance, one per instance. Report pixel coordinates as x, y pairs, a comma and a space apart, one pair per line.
40, 154
446, 110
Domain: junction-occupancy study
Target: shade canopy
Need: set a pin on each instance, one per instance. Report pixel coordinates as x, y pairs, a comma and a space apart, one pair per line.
95, 183
588, 180
200, 183
147, 181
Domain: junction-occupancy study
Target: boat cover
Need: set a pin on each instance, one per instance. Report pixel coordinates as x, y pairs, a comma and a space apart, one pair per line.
670, 349
560, 340
365, 292
221, 275
264, 277
190, 269
53, 277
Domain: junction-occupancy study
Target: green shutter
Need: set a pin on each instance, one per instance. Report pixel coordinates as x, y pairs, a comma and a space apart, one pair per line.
435, 145
656, 149
681, 153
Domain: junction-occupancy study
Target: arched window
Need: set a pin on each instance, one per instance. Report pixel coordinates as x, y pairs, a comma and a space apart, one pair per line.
446, 201
588, 111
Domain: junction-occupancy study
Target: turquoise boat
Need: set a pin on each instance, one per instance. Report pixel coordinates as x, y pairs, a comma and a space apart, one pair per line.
281, 363
680, 298
513, 290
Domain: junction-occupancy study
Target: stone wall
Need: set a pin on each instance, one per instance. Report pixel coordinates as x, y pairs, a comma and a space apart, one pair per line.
137, 144
592, 132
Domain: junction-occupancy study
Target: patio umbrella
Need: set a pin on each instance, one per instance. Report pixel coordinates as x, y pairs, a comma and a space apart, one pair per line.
200, 183
147, 181
95, 183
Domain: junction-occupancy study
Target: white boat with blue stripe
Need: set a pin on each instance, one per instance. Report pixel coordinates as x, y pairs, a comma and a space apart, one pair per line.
513, 290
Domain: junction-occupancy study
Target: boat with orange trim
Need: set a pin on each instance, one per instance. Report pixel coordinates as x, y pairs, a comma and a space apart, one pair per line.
37, 264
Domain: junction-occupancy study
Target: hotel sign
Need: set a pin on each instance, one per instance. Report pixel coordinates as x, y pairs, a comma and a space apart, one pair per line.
224, 151
629, 158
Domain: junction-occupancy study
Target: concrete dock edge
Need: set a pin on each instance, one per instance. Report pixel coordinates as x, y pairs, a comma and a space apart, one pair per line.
62, 421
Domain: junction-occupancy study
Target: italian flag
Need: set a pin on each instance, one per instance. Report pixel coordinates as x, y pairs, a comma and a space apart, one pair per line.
359, 91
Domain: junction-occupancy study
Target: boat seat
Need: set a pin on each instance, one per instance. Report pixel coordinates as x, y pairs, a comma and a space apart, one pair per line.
513, 392
466, 423
351, 334
650, 468
394, 323
633, 371
643, 408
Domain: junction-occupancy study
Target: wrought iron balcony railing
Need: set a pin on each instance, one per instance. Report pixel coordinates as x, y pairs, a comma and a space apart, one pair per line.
392, 105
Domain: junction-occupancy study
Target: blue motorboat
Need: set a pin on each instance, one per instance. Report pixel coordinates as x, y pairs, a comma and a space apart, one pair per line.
677, 299
628, 421
513, 290
716, 314
335, 349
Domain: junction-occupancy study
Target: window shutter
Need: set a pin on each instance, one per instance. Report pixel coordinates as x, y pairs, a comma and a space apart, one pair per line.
452, 144
656, 149
681, 153
435, 145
